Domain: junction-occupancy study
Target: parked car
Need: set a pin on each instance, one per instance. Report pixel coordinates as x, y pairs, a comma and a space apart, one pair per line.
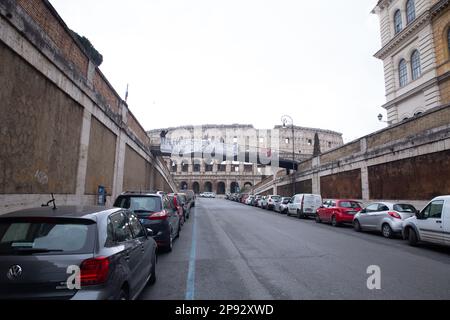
431, 225
39, 249
208, 195
190, 195
282, 205
177, 201
385, 217
187, 205
249, 200
270, 202
256, 201
261, 201
304, 205
338, 212
155, 212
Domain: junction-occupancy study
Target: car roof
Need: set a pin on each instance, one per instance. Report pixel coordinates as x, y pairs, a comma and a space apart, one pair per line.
78, 212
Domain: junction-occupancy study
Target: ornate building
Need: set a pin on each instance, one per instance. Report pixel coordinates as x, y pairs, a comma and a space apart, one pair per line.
228, 176
414, 37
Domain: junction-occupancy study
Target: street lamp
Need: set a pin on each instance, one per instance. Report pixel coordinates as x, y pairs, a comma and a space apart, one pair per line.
380, 118
287, 120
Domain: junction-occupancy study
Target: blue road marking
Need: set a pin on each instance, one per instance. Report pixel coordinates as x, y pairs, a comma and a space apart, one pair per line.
190, 285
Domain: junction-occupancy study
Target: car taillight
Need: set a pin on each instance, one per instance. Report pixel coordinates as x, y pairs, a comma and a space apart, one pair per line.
394, 215
158, 216
94, 271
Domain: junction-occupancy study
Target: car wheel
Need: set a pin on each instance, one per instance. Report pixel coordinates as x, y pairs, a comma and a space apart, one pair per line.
318, 219
412, 238
170, 246
123, 295
386, 230
152, 280
178, 232
334, 222
299, 214
357, 226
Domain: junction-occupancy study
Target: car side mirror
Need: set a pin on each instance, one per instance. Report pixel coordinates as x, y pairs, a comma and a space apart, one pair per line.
150, 232
419, 215
363, 211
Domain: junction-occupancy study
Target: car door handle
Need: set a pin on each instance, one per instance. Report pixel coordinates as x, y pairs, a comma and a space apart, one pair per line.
439, 221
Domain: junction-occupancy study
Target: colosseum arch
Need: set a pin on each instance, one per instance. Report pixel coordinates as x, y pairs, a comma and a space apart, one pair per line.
208, 187
184, 185
221, 187
234, 187
196, 187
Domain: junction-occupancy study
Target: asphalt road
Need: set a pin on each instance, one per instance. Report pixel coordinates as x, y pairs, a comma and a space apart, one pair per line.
229, 251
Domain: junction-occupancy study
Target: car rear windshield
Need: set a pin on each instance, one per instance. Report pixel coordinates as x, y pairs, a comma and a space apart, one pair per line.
30, 236
139, 203
407, 208
276, 198
350, 204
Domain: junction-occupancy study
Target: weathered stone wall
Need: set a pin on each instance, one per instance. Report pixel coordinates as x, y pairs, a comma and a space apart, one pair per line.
64, 129
342, 185
40, 131
421, 178
101, 158
408, 161
137, 171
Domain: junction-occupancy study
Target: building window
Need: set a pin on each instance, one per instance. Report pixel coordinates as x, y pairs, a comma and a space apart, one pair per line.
398, 21
415, 65
403, 73
410, 11
287, 140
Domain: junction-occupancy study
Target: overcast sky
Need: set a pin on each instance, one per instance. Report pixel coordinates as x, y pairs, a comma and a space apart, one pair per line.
192, 62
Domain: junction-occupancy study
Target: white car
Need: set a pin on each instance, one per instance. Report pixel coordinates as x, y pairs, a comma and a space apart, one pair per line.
304, 205
431, 225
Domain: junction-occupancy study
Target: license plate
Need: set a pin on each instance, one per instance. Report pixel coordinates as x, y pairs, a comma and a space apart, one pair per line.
308, 210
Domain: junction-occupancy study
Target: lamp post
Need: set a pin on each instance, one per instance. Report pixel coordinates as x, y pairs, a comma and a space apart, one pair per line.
286, 120
380, 118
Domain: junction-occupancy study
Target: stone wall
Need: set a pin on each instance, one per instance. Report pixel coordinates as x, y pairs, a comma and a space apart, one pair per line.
65, 130
406, 162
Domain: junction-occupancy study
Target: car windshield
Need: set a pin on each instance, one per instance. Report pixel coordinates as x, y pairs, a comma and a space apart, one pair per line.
276, 198
46, 236
139, 203
406, 208
350, 204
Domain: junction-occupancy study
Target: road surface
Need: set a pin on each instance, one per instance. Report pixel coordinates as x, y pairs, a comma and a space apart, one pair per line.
229, 251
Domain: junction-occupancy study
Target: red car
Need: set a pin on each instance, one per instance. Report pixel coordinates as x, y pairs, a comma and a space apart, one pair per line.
338, 212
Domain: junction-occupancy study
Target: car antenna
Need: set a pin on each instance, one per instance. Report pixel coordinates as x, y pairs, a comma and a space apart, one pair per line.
51, 201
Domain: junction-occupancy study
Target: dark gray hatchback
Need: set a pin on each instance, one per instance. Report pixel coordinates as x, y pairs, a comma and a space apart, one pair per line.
80, 253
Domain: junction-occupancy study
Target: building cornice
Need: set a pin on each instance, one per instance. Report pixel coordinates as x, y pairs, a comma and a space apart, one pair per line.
405, 35
439, 7
412, 92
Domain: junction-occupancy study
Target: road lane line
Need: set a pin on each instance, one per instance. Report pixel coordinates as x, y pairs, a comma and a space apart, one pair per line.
190, 284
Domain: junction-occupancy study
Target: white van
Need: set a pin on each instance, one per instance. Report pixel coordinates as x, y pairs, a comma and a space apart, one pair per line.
431, 225
304, 205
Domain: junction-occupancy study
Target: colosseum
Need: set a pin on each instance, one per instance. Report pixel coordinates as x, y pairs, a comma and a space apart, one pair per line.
228, 176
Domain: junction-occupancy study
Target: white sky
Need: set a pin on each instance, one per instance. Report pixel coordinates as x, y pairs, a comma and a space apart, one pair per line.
192, 62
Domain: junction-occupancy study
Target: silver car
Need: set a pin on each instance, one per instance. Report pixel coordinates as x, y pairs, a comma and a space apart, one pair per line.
385, 217
282, 205
78, 253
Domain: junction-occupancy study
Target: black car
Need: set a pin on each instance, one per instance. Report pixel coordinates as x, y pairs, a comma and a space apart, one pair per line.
79, 253
156, 212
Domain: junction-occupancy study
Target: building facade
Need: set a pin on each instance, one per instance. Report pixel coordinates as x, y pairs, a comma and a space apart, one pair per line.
409, 56
202, 175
